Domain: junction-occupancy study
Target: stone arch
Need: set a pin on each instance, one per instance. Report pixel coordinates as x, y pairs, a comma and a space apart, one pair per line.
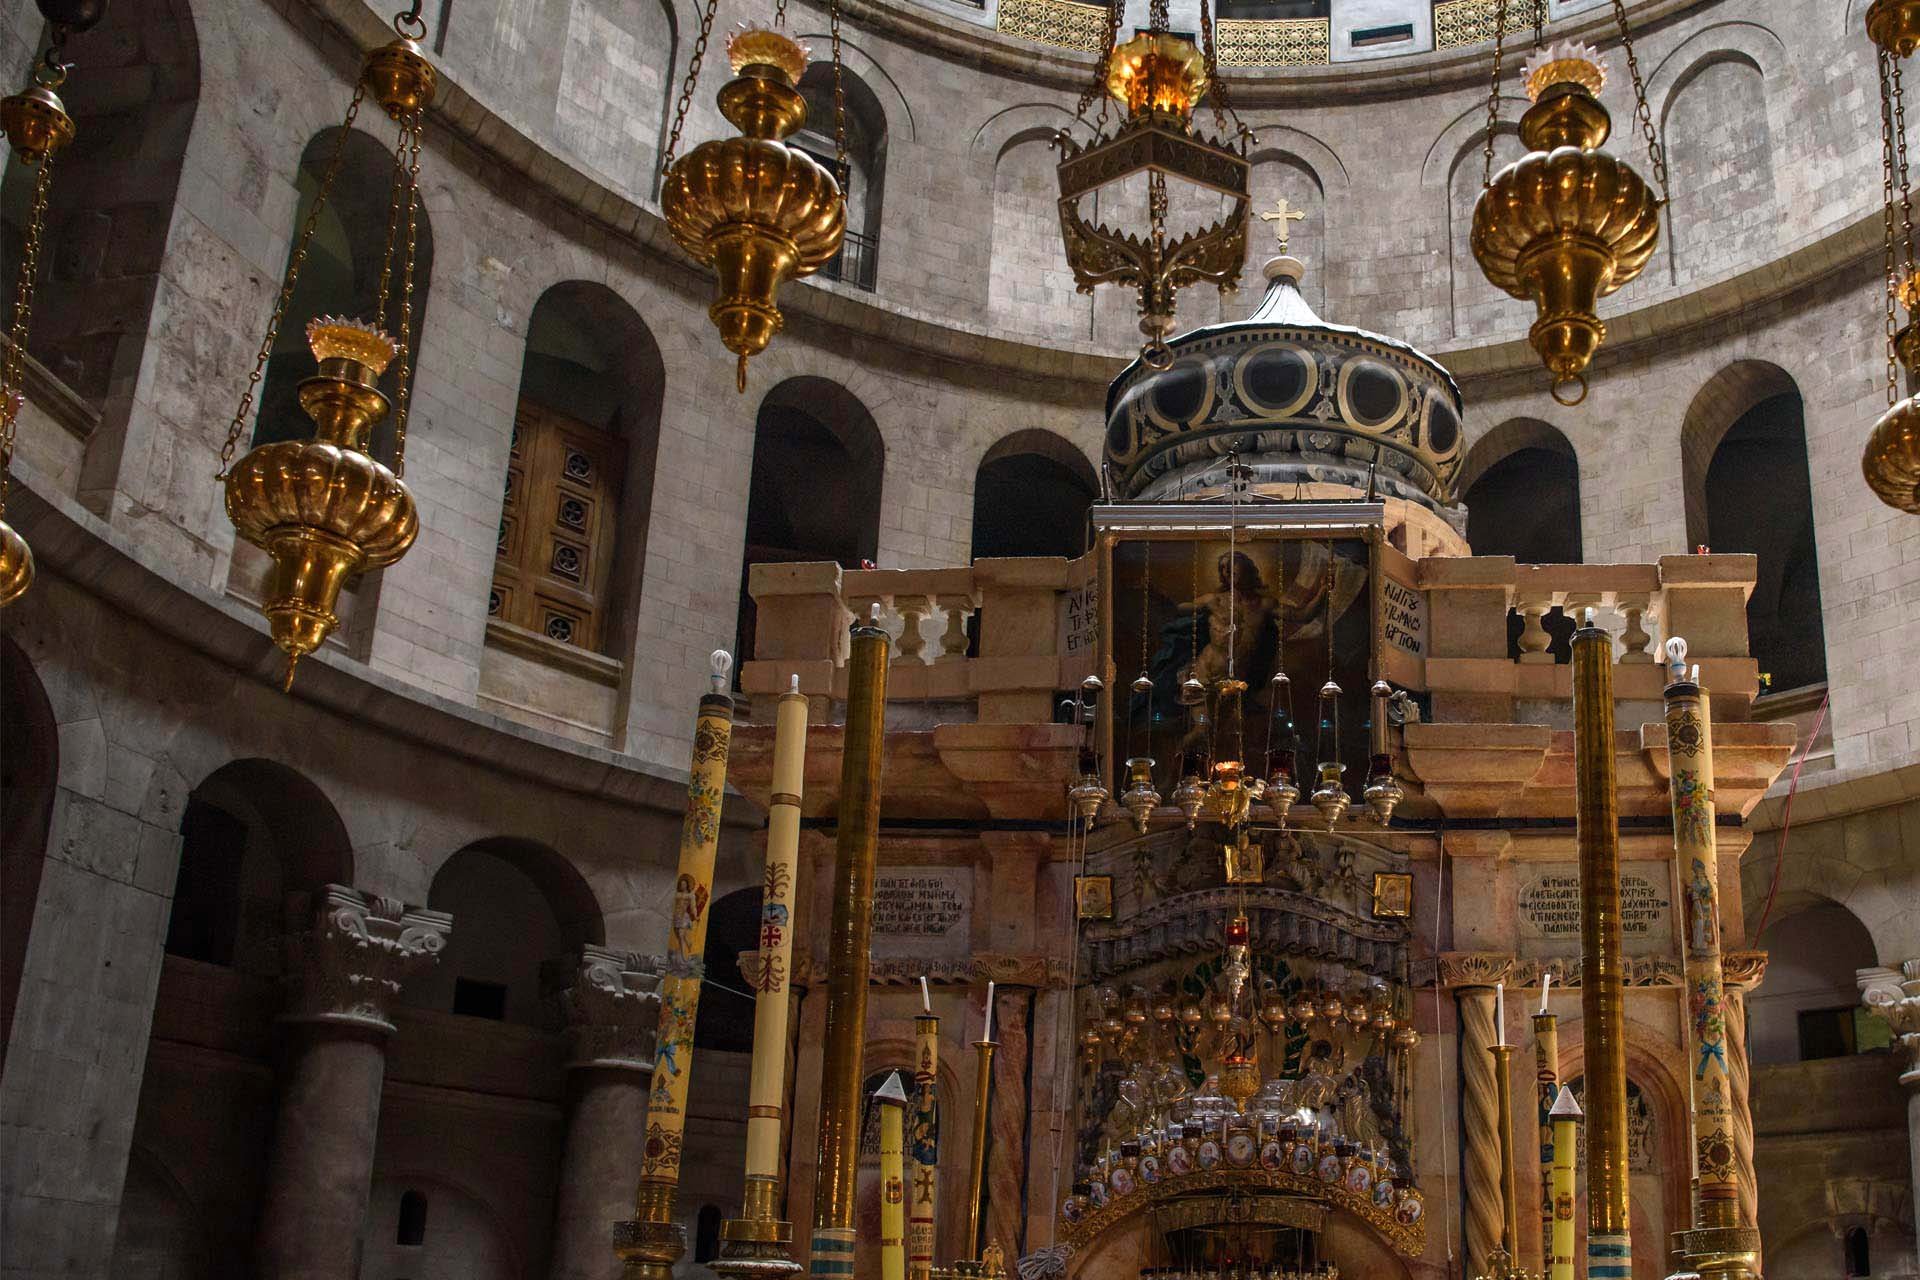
1815, 947
341, 276
997, 132
1721, 155
1030, 497
464, 1233
869, 129
253, 833
111, 204
814, 492
1521, 484
592, 381
1275, 172
725, 1019
1030, 286
1476, 307
29, 785
1745, 432
159, 1231
856, 62
516, 905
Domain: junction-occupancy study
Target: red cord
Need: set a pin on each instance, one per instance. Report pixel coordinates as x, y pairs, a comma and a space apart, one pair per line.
1786, 820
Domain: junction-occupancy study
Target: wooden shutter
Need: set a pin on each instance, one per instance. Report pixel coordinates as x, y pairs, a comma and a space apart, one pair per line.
557, 522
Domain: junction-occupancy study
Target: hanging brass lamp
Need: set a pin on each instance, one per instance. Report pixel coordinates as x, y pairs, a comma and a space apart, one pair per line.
1157, 78
325, 509
754, 209
37, 126
1891, 461
1568, 223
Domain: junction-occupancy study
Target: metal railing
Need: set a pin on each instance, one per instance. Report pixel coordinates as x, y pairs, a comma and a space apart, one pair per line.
856, 263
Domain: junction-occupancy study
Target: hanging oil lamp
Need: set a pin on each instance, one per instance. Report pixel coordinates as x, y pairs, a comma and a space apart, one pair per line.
1566, 224
1157, 78
1281, 791
753, 209
1190, 793
324, 509
1891, 461
1140, 798
1330, 797
37, 127
1087, 793
1383, 792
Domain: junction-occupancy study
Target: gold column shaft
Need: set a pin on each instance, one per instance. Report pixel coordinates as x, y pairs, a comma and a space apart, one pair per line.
893, 1192
1720, 1244
651, 1243
977, 1172
923, 1155
1546, 1073
1602, 1003
848, 939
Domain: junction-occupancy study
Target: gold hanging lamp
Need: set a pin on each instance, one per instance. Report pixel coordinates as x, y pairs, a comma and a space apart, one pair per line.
1891, 462
1566, 224
37, 127
324, 509
1158, 79
754, 209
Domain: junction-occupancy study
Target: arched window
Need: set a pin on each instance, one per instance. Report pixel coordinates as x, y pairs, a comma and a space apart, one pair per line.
1744, 447
857, 263
706, 1234
1859, 1252
1030, 497
1521, 486
725, 1017
112, 200
579, 482
517, 905
341, 277
815, 488
1809, 1008
412, 1231
252, 832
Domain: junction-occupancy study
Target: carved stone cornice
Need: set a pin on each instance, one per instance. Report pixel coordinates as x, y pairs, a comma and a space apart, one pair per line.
1895, 996
1008, 970
612, 1008
1472, 968
347, 966
1743, 969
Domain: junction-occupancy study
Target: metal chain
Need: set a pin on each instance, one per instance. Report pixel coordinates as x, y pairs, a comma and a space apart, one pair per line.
1901, 178
11, 374
1158, 15
780, 13
1539, 22
1654, 150
1222, 106
686, 87
1493, 89
1097, 87
294, 264
403, 394
839, 96
1886, 204
396, 191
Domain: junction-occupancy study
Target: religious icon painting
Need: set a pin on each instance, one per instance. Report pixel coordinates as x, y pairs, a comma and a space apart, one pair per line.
1093, 897
1392, 895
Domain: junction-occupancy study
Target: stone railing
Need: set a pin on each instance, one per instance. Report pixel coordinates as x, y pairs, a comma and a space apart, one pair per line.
1275, 42
1464, 22
1056, 22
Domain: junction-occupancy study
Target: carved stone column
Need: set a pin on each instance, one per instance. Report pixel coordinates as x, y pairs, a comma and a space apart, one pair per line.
1007, 1122
1741, 971
612, 1011
1895, 996
344, 971
1472, 974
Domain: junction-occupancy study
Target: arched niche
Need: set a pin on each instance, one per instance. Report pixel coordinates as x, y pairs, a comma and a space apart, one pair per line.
29, 783
1521, 486
1744, 439
1478, 308
1030, 497
461, 1234
1809, 1006
577, 496
725, 1017
516, 905
253, 832
159, 1232
865, 180
1030, 287
132, 96
341, 277
1276, 174
1719, 148
814, 493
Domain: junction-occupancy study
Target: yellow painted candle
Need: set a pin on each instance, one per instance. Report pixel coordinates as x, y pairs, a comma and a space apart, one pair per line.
923, 1146
767, 1085
893, 1188
1566, 1120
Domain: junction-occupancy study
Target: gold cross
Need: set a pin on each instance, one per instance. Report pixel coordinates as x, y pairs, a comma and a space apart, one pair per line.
1282, 213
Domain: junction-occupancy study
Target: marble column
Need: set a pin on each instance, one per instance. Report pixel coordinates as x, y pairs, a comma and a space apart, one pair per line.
1742, 972
1472, 975
1005, 1215
1895, 996
344, 971
612, 1011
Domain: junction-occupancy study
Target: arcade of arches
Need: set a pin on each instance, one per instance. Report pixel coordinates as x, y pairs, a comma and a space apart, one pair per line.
365, 979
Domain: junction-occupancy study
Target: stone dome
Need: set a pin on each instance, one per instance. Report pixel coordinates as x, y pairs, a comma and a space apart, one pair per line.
1300, 399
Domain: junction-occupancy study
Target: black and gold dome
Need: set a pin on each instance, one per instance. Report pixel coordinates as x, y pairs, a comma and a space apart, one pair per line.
1298, 398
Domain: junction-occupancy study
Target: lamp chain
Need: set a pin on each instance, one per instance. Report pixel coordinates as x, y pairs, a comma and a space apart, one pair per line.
11, 373
1901, 179
1096, 86
294, 263
1886, 205
686, 86
1216, 84
396, 192
839, 97
403, 395
1493, 89
1655, 151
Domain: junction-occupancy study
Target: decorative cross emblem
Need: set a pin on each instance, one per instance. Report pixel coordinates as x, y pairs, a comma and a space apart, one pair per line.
1282, 213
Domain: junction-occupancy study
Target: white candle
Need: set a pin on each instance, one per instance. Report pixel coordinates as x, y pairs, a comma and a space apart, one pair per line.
1546, 984
1499, 1013
926, 997
986, 1033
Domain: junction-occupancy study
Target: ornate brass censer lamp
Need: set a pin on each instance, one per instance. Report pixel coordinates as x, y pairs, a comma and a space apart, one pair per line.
754, 209
1158, 78
37, 126
1891, 461
1566, 224
325, 509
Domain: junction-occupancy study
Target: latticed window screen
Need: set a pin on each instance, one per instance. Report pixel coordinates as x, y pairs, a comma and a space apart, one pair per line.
557, 527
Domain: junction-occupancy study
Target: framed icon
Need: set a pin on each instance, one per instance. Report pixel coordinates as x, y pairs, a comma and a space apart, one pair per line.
1392, 895
1093, 897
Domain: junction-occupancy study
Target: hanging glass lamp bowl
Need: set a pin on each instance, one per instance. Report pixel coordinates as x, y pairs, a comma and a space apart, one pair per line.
1891, 462
323, 509
16, 565
1894, 25
753, 209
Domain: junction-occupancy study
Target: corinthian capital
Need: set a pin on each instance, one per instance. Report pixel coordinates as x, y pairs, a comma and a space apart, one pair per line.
1474, 968
347, 966
612, 1008
1894, 994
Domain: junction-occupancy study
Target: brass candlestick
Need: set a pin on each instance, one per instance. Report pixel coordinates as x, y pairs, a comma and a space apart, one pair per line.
1503, 1264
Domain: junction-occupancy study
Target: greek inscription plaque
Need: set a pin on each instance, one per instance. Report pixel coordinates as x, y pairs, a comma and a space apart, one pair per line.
922, 912
1549, 903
